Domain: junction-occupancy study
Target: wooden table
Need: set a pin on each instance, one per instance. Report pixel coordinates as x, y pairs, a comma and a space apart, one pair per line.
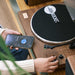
14, 24
6, 18
23, 6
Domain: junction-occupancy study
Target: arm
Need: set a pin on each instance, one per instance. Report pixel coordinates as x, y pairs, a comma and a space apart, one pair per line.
27, 65
39, 64
31, 65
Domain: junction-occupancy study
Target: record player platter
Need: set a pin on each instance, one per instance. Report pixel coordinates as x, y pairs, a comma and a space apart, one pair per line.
53, 24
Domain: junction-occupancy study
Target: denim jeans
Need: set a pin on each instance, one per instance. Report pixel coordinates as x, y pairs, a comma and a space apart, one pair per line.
20, 54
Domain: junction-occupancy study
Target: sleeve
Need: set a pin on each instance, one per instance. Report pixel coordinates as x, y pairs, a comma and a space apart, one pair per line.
1, 30
27, 65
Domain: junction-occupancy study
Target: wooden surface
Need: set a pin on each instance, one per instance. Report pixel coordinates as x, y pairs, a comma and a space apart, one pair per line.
71, 60
13, 10
38, 47
23, 6
6, 18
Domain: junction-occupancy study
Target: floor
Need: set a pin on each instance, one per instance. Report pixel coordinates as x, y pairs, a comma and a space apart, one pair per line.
6, 19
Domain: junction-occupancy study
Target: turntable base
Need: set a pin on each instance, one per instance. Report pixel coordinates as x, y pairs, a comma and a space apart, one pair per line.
38, 47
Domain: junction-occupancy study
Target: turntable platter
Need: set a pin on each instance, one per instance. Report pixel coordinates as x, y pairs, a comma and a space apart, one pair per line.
53, 24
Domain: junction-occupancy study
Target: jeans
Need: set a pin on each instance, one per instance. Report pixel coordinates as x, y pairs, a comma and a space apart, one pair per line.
20, 54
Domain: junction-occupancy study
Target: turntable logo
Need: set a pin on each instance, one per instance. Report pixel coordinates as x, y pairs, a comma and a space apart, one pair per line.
51, 10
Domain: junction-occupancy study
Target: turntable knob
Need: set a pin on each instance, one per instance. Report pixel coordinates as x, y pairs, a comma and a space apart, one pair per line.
61, 56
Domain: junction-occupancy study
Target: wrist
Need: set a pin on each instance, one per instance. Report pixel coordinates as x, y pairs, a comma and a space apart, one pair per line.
35, 64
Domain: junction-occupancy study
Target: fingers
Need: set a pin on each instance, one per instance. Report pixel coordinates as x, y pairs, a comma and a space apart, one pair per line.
47, 65
9, 31
15, 32
52, 58
53, 63
50, 71
11, 47
53, 67
17, 48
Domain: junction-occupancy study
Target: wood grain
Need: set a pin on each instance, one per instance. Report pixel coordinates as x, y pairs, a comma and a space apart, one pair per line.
38, 47
23, 6
71, 60
6, 18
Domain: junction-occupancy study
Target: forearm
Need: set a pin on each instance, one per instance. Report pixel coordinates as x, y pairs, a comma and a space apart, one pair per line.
27, 65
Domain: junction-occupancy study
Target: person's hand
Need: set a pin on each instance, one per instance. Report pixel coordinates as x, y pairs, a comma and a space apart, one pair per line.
9, 31
46, 64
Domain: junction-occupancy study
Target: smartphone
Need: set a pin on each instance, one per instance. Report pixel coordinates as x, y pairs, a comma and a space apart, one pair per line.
19, 41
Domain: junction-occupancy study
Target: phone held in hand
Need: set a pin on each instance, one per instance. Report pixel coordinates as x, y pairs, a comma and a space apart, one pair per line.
19, 41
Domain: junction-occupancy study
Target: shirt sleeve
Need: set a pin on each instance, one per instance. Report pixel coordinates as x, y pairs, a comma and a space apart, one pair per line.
27, 65
1, 30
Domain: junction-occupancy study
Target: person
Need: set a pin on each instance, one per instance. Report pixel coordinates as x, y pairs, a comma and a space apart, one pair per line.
31, 65
18, 54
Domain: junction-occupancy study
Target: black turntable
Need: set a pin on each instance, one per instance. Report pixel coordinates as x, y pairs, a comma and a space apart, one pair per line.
53, 24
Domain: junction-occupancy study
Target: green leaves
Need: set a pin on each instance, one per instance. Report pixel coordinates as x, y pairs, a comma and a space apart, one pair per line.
7, 55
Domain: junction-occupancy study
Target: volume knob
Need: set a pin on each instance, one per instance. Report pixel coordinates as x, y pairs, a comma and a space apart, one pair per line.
61, 56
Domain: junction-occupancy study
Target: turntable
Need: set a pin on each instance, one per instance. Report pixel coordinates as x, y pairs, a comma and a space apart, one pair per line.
50, 25
53, 24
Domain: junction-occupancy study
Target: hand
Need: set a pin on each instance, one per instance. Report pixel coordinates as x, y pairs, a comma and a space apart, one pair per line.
46, 64
9, 31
